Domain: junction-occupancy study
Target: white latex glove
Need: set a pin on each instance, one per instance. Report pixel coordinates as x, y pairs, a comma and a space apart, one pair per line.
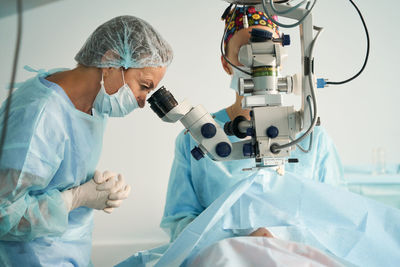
116, 185
85, 195
100, 178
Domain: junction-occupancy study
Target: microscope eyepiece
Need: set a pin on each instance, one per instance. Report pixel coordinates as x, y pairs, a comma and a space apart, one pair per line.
162, 101
259, 35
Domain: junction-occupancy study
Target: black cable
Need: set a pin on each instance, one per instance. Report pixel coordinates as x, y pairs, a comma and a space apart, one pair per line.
13, 74
367, 54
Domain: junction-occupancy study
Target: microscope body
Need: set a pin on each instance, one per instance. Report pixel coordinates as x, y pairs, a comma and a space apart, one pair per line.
276, 128
271, 123
210, 137
267, 136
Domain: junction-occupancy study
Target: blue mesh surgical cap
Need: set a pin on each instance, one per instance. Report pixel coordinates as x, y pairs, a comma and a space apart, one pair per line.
125, 41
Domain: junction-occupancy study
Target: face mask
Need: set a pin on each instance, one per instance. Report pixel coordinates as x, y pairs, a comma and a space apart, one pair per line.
116, 105
239, 74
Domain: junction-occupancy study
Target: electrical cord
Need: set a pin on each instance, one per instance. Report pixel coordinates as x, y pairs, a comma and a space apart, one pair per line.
13, 74
367, 53
276, 147
271, 4
282, 1
312, 133
277, 12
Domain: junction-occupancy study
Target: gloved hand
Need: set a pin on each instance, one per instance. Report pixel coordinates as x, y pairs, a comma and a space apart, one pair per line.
115, 184
88, 195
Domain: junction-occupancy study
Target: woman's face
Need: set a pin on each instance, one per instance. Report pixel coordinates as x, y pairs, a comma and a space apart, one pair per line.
141, 81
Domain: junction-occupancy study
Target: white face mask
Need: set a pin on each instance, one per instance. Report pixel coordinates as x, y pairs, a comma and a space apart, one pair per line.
116, 105
239, 74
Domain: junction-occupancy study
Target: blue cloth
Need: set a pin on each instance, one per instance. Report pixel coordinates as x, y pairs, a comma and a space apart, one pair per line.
352, 229
50, 147
194, 185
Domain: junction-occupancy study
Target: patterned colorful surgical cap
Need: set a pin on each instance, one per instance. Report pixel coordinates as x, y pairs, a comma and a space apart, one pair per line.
234, 22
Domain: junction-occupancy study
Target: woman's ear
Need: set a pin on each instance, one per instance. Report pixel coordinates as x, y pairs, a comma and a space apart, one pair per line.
110, 55
106, 71
226, 66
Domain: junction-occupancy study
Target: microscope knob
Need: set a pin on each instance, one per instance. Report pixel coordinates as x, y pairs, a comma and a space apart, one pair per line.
285, 39
208, 130
197, 153
250, 132
272, 132
223, 149
247, 150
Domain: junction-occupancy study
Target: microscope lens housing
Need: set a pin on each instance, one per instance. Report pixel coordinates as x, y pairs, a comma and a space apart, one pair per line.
162, 101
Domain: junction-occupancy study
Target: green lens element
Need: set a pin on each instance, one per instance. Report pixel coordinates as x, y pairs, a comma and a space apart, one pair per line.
264, 71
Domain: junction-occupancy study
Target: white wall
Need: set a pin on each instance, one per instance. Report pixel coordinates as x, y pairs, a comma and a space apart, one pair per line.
359, 116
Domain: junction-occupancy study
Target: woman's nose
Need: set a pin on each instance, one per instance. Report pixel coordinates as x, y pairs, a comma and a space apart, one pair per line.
142, 101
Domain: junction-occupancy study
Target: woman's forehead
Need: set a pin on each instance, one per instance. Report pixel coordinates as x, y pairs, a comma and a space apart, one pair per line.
148, 73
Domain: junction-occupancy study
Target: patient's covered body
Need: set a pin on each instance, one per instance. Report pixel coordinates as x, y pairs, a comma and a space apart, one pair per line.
252, 251
347, 226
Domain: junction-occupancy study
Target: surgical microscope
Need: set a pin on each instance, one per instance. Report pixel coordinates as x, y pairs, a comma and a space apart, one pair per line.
274, 130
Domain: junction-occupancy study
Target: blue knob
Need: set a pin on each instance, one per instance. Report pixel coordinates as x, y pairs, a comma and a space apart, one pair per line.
272, 132
197, 153
250, 132
247, 150
208, 130
285, 39
223, 149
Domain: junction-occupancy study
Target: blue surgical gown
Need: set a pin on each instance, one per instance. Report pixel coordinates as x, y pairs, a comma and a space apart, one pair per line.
50, 147
194, 185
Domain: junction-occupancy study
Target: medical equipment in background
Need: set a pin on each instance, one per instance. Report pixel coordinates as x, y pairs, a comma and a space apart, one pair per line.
8, 7
13, 75
274, 130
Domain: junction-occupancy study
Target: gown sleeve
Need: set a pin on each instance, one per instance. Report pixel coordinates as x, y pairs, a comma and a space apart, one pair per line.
32, 154
329, 168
